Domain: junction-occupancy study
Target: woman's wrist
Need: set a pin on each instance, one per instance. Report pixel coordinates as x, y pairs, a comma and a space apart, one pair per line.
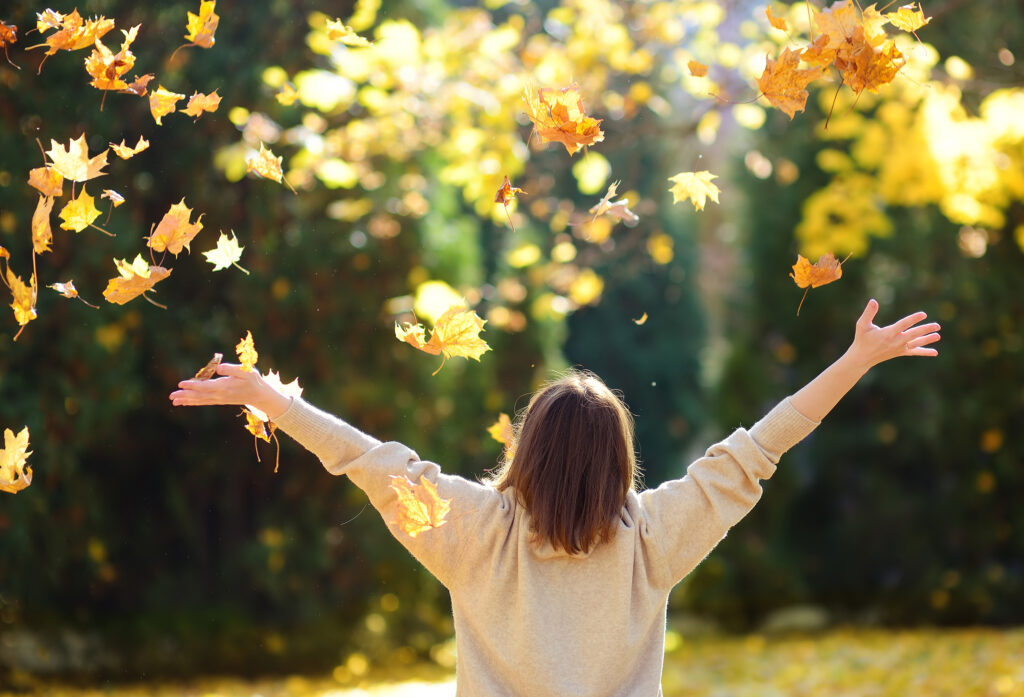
271, 402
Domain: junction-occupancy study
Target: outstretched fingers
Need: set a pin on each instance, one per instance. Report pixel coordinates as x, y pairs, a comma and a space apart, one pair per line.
908, 321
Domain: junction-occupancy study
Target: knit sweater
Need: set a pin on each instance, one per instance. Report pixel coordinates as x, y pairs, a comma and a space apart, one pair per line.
533, 621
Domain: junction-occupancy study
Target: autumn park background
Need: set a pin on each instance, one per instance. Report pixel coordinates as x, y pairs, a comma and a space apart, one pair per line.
153, 547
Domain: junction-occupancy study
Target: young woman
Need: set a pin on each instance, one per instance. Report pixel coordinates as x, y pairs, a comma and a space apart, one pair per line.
559, 570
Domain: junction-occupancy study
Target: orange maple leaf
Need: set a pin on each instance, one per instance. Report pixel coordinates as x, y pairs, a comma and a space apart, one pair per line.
558, 116
42, 235
74, 163
175, 231
162, 102
8, 36
507, 192
419, 507
697, 69
199, 102
74, 32
24, 304
79, 213
210, 369
107, 68
47, 180
807, 275
201, 27
246, 351
869, 69
785, 86
126, 152
15, 474
776, 22
456, 333
267, 165
138, 86
134, 280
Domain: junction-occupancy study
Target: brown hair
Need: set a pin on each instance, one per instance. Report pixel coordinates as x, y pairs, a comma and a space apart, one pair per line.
571, 461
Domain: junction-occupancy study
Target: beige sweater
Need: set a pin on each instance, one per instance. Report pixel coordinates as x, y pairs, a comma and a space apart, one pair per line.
532, 621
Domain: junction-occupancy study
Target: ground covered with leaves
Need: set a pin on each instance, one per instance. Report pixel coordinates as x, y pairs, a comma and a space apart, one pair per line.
964, 663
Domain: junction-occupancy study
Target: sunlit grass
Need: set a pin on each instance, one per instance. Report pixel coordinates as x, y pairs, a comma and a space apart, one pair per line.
844, 663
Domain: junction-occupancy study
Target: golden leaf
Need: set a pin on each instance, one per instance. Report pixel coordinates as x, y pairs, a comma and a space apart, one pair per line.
199, 102
776, 22
68, 289
24, 304
909, 19
337, 31
74, 32
126, 152
807, 275
501, 430
15, 474
419, 507
162, 102
74, 163
107, 68
456, 333
42, 235
210, 369
785, 86
134, 280
175, 231
697, 69
47, 180
201, 27
506, 192
47, 20
287, 95
695, 186
640, 320
79, 213
558, 116
267, 165
115, 198
246, 351
138, 86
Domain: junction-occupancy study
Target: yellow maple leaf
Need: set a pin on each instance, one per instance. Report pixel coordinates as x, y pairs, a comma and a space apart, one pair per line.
419, 507
46, 180
199, 102
246, 351
134, 280
162, 102
42, 236
108, 68
79, 213
784, 85
15, 474
287, 95
126, 152
201, 27
337, 31
807, 275
73, 33
908, 18
558, 116
115, 198
697, 69
267, 165
227, 253
24, 304
776, 22
501, 430
695, 186
456, 333
175, 231
73, 162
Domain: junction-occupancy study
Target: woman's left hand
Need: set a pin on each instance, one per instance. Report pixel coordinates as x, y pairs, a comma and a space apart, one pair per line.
236, 387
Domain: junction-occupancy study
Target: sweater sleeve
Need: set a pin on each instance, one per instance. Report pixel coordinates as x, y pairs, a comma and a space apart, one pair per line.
477, 511
688, 517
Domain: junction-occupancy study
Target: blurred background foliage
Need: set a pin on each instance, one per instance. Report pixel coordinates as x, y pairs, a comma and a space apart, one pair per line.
154, 541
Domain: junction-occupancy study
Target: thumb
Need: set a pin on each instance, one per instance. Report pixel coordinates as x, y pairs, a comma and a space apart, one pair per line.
868, 316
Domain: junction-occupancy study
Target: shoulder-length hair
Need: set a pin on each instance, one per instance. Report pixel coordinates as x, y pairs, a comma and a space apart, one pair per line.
571, 461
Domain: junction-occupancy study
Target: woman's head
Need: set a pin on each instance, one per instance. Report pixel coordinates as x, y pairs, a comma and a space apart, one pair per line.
572, 461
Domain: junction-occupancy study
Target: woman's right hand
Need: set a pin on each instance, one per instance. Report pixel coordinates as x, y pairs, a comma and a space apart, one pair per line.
905, 337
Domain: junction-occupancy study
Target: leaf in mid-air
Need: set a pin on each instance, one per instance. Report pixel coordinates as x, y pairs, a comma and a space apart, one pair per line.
74, 163
776, 22
126, 152
558, 116
162, 102
42, 235
501, 430
227, 253
619, 209
134, 280
697, 69
199, 102
246, 351
46, 180
201, 27
24, 304
507, 192
69, 291
287, 95
267, 165
115, 198
337, 31
784, 85
419, 507
15, 474
8, 36
908, 18
138, 85
175, 231
695, 186
807, 275
79, 213
108, 68
456, 333
74, 33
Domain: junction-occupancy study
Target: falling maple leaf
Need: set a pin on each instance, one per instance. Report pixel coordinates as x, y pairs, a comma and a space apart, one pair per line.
227, 253
79, 213
558, 116
201, 27
115, 198
47, 180
175, 231
695, 186
618, 209
337, 31
24, 304
42, 235
138, 85
134, 280
776, 22
69, 291
267, 165
246, 351
15, 474
784, 85
456, 333
287, 95
697, 69
507, 192
807, 275
870, 69
126, 152
419, 507
73, 33
162, 102
199, 102
909, 19
74, 163
210, 369
501, 430
8, 36
48, 19
107, 68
